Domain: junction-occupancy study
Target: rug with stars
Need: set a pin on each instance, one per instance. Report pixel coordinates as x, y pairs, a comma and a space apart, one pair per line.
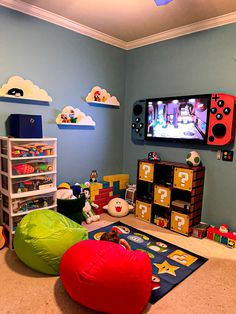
170, 264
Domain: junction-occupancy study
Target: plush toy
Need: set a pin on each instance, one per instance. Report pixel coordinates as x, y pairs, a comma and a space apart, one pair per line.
193, 159
93, 176
87, 211
76, 188
64, 191
118, 207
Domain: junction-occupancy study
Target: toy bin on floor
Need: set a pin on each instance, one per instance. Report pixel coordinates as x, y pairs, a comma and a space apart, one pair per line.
71, 208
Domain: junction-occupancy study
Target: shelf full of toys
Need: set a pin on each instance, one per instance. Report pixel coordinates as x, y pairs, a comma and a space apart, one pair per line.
28, 178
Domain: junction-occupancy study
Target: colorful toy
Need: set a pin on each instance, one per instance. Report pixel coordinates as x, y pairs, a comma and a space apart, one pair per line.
74, 116
117, 207
42, 167
87, 211
23, 169
99, 95
64, 191
154, 156
76, 188
222, 235
33, 184
93, 176
193, 159
63, 185
31, 150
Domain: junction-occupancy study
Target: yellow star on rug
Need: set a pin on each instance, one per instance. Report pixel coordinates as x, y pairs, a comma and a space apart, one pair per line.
165, 267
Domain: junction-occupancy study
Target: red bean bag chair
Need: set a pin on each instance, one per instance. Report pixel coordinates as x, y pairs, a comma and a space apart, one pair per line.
105, 277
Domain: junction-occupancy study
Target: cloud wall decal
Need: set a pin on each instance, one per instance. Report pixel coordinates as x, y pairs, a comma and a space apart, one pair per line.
73, 116
99, 95
17, 87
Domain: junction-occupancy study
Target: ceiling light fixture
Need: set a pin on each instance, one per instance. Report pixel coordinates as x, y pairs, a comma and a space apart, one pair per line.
162, 2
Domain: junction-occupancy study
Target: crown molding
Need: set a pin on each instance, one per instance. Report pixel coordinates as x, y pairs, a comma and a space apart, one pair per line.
87, 31
61, 21
183, 30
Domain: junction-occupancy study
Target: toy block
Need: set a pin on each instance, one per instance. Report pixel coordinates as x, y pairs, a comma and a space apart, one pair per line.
224, 240
116, 186
106, 190
117, 177
105, 184
216, 237
95, 186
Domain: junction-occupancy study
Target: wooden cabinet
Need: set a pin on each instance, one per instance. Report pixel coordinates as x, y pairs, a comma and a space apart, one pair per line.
169, 194
27, 179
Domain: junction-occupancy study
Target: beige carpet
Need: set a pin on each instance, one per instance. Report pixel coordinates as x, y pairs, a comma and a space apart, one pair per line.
210, 289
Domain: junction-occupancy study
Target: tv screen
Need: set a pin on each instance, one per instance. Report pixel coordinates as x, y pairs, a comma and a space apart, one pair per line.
178, 119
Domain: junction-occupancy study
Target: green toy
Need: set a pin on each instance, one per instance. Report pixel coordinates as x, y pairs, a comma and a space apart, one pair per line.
87, 212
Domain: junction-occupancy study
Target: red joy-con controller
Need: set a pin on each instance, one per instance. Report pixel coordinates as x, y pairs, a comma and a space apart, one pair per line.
221, 119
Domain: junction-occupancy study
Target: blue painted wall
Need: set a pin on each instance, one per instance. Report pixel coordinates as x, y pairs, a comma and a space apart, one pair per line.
198, 63
67, 65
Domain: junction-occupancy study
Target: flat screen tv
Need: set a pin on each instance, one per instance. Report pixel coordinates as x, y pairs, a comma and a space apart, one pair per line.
178, 119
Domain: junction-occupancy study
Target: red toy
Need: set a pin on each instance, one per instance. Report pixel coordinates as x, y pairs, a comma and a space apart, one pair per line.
222, 235
106, 277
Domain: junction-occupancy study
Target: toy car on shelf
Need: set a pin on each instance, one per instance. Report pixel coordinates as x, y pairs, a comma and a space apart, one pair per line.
153, 156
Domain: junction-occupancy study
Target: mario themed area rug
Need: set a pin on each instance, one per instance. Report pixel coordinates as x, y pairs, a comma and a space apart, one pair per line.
170, 264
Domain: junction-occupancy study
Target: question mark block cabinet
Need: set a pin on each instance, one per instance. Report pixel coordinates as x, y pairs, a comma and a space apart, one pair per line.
143, 211
179, 222
162, 195
146, 171
183, 179
172, 192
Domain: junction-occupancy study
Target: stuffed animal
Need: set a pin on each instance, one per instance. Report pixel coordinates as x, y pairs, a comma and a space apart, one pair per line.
64, 191
118, 207
87, 211
93, 176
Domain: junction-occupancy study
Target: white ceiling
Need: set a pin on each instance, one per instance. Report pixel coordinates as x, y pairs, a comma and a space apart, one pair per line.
124, 22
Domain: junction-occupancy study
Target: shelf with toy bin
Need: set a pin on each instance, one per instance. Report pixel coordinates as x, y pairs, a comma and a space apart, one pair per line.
169, 194
28, 178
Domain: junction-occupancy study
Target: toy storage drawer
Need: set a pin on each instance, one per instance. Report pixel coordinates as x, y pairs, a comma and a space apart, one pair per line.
32, 166
24, 204
32, 149
34, 183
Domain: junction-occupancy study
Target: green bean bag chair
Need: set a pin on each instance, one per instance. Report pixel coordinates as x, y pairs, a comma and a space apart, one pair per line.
43, 236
